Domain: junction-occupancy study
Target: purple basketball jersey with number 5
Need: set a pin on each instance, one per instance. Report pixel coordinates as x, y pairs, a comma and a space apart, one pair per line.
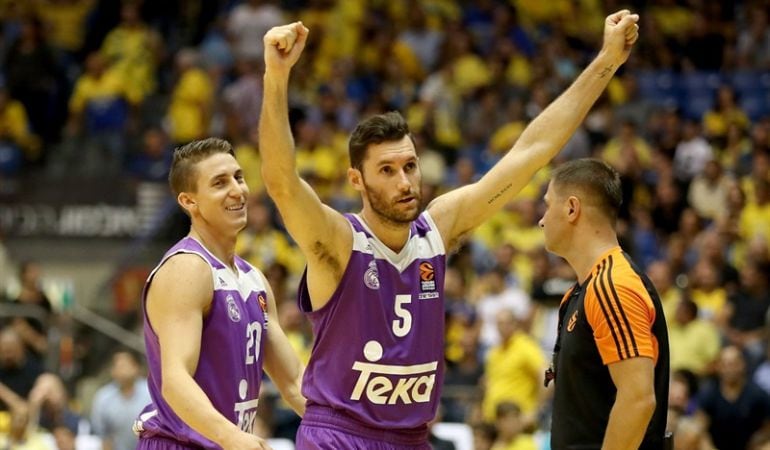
379, 342
230, 364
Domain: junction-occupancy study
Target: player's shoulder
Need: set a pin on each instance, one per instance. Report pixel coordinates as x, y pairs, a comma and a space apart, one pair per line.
184, 280
183, 266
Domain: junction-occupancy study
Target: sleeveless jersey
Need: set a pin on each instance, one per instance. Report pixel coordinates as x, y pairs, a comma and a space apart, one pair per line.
230, 364
378, 352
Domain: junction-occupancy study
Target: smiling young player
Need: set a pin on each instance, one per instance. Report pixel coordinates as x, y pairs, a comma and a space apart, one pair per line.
210, 324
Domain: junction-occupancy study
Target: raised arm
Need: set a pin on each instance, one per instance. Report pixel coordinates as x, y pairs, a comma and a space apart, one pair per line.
322, 233
459, 211
179, 294
281, 362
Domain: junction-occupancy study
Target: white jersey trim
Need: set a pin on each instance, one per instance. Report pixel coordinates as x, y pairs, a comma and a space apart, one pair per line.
416, 247
224, 278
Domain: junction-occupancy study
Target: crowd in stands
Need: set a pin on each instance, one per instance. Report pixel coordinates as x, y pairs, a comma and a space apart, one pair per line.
106, 88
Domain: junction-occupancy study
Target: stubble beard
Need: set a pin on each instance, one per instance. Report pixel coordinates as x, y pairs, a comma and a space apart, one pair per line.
384, 209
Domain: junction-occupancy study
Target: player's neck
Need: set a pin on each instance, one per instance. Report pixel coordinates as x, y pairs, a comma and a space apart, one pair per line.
393, 235
220, 245
587, 248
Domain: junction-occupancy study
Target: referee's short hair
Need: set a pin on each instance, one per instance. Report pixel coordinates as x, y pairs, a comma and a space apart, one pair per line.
596, 179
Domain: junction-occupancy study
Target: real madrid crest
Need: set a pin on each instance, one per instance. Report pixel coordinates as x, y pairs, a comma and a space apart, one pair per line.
232, 309
371, 277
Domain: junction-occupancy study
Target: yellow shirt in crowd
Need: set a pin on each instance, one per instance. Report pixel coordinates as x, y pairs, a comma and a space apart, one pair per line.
190, 101
514, 373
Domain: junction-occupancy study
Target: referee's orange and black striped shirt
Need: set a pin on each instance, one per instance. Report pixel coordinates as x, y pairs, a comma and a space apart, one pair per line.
615, 314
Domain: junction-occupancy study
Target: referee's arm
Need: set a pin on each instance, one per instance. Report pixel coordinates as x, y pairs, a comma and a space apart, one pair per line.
634, 404
629, 350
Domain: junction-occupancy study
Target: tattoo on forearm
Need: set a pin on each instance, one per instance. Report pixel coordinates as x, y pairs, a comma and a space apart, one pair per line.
499, 194
605, 71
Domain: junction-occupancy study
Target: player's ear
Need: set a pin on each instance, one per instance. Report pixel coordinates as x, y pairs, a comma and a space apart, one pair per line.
573, 208
356, 179
187, 202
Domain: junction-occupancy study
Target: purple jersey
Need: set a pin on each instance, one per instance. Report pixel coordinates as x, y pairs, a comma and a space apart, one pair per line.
230, 363
379, 343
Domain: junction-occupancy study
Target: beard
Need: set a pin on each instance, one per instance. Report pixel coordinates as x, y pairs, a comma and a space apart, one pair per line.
388, 211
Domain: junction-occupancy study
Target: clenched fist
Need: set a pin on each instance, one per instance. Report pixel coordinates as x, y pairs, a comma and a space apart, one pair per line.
620, 33
283, 46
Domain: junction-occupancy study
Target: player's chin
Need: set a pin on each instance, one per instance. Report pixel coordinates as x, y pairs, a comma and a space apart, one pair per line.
406, 216
411, 207
238, 223
550, 247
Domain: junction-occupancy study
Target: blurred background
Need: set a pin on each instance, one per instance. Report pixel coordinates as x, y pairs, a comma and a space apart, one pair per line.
96, 94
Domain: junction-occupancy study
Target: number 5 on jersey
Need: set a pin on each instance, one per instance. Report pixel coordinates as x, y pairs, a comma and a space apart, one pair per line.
403, 324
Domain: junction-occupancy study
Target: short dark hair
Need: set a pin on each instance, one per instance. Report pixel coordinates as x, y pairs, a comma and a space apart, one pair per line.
504, 409
390, 126
595, 178
181, 177
132, 354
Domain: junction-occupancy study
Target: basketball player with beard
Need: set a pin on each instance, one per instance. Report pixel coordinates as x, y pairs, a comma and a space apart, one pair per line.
373, 287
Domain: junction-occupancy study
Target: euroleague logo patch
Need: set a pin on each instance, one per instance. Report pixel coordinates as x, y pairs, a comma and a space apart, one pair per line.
427, 281
426, 272
262, 302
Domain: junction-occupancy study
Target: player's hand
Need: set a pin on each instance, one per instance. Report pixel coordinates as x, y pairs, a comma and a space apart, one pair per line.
283, 46
246, 441
620, 33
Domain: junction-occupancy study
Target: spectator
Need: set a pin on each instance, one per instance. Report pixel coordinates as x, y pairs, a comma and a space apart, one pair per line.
692, 153
668, 205
18, 371
746, 311
717, 121
693, 341
132, 49
498, 297
462, 378
190, 109
153, 161
262, 244
713, 248
17, 142
66, 24
34, 310
243, 99
513, 370
100, 106
736, 152
32, 78
117, 404
49, 404
660, 274
706, 291
754, 219
510, 427
248, 23
708, 191
484, 436
733, 408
